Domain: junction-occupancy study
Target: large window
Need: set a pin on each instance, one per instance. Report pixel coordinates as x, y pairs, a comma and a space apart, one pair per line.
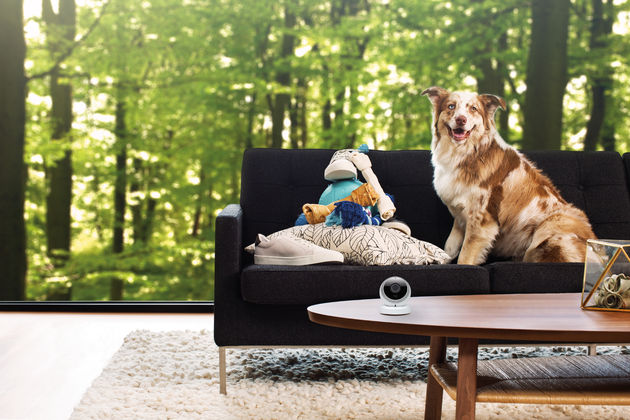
138, 111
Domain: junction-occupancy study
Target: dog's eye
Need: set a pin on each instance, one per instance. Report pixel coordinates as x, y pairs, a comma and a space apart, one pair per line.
451, 106
473, 108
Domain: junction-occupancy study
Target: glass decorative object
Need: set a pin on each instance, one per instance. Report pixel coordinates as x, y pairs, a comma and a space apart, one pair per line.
606, 275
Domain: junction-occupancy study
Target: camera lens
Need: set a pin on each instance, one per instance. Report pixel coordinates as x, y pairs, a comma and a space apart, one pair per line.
395, 290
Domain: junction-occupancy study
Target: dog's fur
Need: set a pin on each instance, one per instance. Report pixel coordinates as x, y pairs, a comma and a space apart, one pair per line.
500, 201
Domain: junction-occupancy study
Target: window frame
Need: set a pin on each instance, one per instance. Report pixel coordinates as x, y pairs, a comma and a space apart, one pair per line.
109, 306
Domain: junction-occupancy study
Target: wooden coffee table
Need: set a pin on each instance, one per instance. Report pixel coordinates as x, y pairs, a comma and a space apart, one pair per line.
551, 317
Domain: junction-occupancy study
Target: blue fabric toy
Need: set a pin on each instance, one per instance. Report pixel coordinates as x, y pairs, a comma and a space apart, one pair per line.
349, 214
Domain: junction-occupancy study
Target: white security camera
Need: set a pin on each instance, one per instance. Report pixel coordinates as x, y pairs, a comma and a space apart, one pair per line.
395, 293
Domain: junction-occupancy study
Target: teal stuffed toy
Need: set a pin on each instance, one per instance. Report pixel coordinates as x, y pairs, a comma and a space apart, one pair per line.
343, 175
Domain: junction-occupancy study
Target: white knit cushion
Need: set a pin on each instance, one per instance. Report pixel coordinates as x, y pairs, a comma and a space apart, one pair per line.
367, 244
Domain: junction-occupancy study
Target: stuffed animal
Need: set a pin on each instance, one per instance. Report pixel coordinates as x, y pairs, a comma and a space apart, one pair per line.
342, 172
339, 204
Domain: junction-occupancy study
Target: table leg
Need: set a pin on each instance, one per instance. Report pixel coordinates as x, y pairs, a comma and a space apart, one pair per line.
433, 400
466, 379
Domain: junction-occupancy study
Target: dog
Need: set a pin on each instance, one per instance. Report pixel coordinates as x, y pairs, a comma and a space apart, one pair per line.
500, 202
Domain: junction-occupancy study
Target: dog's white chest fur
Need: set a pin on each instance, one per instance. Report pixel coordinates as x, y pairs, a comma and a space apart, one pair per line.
449, 189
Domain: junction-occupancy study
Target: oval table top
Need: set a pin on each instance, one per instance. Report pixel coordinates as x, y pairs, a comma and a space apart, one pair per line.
536, 317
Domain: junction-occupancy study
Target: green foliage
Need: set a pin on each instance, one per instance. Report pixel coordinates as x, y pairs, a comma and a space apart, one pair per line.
179, 271
197, 80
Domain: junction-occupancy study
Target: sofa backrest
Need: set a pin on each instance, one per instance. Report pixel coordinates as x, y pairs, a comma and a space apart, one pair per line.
593, 181
275, 183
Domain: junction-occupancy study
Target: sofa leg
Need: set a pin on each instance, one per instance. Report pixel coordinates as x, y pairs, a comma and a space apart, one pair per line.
592, 349
222, 372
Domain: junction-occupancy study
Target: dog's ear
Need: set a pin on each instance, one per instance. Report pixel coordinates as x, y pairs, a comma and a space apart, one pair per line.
435, 93
436, 96
491, 103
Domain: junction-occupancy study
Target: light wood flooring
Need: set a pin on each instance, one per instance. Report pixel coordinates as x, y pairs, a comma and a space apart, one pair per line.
48, 360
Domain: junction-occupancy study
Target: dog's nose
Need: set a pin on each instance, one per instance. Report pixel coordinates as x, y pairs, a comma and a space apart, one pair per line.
460, 120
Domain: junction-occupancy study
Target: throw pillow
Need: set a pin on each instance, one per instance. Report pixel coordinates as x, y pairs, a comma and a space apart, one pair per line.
367, 244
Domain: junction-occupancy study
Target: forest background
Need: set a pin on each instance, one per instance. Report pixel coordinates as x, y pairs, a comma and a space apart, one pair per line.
123, 123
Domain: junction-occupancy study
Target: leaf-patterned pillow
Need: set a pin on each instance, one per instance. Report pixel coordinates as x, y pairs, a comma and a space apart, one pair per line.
367, 244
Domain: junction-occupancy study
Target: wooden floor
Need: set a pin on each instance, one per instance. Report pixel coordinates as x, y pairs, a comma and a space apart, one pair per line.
48, 360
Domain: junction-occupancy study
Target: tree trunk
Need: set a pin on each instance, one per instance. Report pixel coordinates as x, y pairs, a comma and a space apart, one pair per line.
608, 128
298, 115
251, 116
59, 197
338, 133
149, 219
120, 185
326, 119
491, 79
596, 119
203, 220
344, 86
546, 75
142, 210
283, 77
601, 81
302, 115
120, 189
196, 227
135, 204
294, 134
12, 169
60, 34
97, 222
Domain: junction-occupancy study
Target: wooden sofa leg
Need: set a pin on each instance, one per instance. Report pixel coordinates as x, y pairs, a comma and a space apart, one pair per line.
592, 349
222, 372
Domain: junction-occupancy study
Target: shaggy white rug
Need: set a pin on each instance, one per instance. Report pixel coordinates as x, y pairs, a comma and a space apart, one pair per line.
174, 375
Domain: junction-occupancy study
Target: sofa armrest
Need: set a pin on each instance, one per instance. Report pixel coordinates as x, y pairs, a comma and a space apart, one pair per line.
228, 243
228, 260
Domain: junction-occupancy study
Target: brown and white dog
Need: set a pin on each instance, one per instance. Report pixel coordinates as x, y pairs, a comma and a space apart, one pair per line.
500, 201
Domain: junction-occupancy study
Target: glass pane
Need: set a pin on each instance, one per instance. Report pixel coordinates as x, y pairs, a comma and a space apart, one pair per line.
138, 113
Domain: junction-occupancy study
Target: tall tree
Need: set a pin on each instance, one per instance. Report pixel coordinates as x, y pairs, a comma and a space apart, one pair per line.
60, 33
12, 173
120, 190
546, 75
491, 66
601, 80
342, 80
280, 102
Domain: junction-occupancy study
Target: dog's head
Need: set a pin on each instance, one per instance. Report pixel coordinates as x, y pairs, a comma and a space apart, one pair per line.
462, 116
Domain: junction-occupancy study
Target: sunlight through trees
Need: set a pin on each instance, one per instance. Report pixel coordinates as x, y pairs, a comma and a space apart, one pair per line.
138, 112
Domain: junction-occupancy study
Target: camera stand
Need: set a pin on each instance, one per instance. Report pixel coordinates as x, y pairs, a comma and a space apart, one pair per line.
395, 310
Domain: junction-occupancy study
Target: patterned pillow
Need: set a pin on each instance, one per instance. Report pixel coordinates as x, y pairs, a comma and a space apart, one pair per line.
367, 244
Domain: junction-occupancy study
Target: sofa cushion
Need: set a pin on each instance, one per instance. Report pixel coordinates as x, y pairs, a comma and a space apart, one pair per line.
366, 244
519, 277
306, 285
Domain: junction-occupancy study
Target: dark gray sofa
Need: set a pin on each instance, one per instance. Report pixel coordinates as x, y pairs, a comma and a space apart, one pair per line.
262, 306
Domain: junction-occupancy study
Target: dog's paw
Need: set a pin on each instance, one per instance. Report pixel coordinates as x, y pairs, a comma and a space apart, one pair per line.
451, 251
449, 260
452, 254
